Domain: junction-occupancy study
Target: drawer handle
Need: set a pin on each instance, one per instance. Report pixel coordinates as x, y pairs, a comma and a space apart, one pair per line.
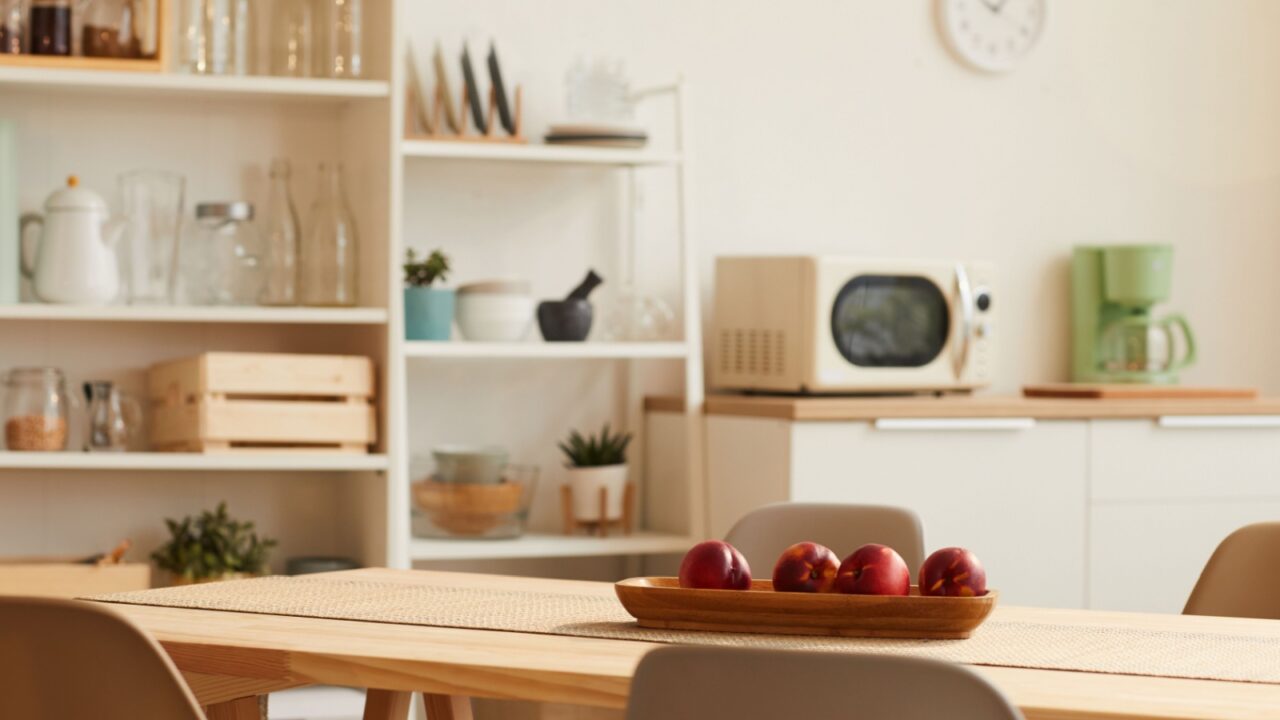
1012, 423
1218, 421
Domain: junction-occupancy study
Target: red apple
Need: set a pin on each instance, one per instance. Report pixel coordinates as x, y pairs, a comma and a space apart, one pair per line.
806, 567
715, 565
953, 572
874, 570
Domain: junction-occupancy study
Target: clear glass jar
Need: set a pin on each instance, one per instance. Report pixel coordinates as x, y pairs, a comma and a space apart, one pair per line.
280, 232
215, 36
342, 23
331, 246
13, 27
292, 38
50, 27
112, 28
35, 410
228, 266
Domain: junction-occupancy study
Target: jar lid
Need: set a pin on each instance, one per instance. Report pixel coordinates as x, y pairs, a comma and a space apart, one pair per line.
74, 197
238, 211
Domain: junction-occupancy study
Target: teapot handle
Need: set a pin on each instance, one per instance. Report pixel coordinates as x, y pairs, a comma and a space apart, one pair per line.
26, 260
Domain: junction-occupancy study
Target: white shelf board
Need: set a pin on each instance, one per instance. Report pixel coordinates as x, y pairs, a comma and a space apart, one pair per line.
544, 545
276, 462
180, 84
195, 314
552, 154
548, 350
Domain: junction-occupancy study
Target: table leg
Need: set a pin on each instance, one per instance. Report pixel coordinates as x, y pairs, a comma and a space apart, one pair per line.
447, 707
253, 707
386, 705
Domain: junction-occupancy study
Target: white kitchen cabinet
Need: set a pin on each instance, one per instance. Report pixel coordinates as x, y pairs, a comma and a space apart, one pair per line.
1010, 489
1164, 493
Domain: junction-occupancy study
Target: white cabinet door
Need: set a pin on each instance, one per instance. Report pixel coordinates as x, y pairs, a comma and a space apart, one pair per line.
1014, 493
1164, 496
1146, 557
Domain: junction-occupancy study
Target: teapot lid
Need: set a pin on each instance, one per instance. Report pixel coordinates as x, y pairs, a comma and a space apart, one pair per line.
74, 197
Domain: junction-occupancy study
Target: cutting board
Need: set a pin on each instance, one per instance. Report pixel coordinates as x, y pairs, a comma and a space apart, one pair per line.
1135, 391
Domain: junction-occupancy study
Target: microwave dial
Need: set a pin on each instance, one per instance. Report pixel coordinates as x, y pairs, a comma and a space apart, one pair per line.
983, 299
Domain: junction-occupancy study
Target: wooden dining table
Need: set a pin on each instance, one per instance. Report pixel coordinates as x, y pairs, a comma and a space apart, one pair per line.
231, 658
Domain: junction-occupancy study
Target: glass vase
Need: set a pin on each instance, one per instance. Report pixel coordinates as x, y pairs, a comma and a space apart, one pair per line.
331, 245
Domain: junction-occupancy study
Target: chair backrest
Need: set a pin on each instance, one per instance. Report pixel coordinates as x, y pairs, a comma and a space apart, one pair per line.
64, 659
1240, 579
694, 683
762, 534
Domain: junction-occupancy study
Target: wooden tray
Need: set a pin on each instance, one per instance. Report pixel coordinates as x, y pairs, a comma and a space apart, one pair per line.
1137, 391
660, 602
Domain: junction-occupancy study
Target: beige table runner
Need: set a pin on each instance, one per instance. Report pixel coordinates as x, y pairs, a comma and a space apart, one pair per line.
999, 642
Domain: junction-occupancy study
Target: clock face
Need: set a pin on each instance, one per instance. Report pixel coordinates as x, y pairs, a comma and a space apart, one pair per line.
992, 35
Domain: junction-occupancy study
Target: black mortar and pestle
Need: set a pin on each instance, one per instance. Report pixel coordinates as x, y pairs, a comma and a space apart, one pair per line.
569, 320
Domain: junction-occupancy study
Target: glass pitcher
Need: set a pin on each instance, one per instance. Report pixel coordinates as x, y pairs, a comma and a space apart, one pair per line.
1143, 346
114, 419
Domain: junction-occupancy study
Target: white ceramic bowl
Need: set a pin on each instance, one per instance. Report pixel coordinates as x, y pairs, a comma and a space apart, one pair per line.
488, 317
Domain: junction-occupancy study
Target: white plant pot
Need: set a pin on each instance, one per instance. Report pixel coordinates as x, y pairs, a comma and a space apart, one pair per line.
585, 484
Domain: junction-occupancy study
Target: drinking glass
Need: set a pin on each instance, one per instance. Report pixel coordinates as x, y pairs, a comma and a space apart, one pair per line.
152, 203
342, 28
292, 38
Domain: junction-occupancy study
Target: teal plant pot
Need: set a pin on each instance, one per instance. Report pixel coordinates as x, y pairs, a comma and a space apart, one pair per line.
428, 313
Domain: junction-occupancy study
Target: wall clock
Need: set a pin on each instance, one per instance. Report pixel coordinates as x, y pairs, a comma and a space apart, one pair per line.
991, 35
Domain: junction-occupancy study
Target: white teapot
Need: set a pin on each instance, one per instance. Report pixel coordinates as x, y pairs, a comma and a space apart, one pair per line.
75, 259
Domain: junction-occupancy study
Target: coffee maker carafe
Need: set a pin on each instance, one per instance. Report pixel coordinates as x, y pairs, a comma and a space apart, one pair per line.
1116, 336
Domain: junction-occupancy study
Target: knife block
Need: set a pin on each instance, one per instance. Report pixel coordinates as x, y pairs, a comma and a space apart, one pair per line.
492, 132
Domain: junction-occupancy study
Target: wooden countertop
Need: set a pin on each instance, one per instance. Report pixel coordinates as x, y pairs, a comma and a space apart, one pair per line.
977, 406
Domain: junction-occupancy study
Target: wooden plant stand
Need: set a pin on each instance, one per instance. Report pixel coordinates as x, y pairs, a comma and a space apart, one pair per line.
599, 527
492, 131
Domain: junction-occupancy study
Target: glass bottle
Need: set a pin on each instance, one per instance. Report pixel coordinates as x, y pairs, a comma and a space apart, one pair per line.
13, 27
331, 247
292, 38
280, 232
342, 29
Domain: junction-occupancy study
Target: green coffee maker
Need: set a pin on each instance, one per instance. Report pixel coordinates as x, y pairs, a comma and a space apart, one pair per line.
1116, 337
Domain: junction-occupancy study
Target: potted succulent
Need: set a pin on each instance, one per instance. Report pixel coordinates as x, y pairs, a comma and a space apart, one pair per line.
595, 462
428, 311
212, 547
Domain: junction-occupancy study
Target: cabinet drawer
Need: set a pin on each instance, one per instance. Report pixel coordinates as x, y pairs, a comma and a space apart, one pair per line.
1146, 557
1013, 493
1141, 460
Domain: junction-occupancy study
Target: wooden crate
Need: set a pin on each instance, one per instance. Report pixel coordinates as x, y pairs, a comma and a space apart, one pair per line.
245, 402
64, 578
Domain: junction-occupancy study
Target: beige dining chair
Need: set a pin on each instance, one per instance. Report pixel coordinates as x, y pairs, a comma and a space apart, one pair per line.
762, 534
694, 683
1240, 579
61, 659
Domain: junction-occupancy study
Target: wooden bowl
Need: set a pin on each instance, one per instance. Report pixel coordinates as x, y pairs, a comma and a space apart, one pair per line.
468, 510
660, 602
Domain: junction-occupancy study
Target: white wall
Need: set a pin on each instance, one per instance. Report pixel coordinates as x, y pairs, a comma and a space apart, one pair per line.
845, 126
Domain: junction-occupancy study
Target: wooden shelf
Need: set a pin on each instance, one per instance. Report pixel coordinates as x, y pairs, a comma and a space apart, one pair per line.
196, 314
274, 462
177, 84
535, 350
541, 545
550, 154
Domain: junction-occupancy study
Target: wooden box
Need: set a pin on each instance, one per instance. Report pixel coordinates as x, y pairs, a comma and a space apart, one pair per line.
64, 578
241, 402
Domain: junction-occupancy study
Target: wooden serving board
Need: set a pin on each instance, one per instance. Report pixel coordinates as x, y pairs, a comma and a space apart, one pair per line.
1137, 391
660, 602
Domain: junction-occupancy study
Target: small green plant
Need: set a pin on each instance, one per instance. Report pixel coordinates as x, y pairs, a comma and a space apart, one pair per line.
212, 545
596, 451
424, 273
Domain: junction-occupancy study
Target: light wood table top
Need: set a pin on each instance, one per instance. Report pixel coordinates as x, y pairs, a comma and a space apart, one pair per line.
817, 408
227, 655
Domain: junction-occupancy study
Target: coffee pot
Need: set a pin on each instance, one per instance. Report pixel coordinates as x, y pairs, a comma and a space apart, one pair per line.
74, 248
1141, 344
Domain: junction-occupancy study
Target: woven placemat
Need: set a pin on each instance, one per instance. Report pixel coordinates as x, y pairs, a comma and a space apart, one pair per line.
1001, 643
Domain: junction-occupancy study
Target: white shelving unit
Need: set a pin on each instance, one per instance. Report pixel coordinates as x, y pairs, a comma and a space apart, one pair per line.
544, 545
178, 85
193, 314
551, 154
546, 350
268, 462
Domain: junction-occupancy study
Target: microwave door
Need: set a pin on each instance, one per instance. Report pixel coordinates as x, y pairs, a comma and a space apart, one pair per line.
890, 321
964, 328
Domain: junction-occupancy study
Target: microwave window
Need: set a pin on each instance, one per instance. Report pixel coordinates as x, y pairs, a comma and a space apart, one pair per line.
890, 321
